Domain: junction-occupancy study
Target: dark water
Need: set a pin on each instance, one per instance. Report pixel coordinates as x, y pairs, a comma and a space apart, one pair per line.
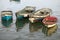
24, 30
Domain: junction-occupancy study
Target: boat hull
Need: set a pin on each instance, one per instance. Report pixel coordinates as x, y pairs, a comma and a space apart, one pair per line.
33, 20
21, 17
6, 18
38, 19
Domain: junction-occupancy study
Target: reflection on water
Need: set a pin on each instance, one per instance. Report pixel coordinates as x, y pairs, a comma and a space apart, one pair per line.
6, 23
31, 31
34, 27
21, 23
49, 31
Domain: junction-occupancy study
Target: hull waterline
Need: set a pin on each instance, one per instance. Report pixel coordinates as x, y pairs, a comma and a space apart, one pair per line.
6, 18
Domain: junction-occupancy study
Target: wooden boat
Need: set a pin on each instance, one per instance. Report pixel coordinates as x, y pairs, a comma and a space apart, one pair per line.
50, 21
6, 15
25, 12
40, 14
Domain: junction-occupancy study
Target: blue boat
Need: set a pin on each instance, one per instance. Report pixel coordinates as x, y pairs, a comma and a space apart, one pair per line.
24, 13
6, 15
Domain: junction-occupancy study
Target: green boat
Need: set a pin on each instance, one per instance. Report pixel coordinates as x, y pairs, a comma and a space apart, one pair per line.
6, 18
25, 12
40, 14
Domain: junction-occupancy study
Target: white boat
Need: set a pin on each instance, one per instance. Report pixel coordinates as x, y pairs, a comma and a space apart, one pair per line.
25, 12
40, 14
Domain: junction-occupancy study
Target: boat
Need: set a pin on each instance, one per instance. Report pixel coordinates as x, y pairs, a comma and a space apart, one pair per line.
24, 13
6, 15
39, 15
50, 21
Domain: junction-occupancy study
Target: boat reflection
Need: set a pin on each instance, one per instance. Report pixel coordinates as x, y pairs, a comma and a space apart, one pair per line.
49, 31
21, 23
33, 27
7, 23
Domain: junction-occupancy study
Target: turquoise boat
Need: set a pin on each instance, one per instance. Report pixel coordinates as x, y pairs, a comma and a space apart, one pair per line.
6, 15
24, 13
40, 14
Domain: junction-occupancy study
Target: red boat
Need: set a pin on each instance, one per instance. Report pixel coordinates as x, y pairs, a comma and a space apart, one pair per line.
50, 21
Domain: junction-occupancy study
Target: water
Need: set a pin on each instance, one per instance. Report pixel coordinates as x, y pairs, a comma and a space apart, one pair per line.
13, 32
20, 30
